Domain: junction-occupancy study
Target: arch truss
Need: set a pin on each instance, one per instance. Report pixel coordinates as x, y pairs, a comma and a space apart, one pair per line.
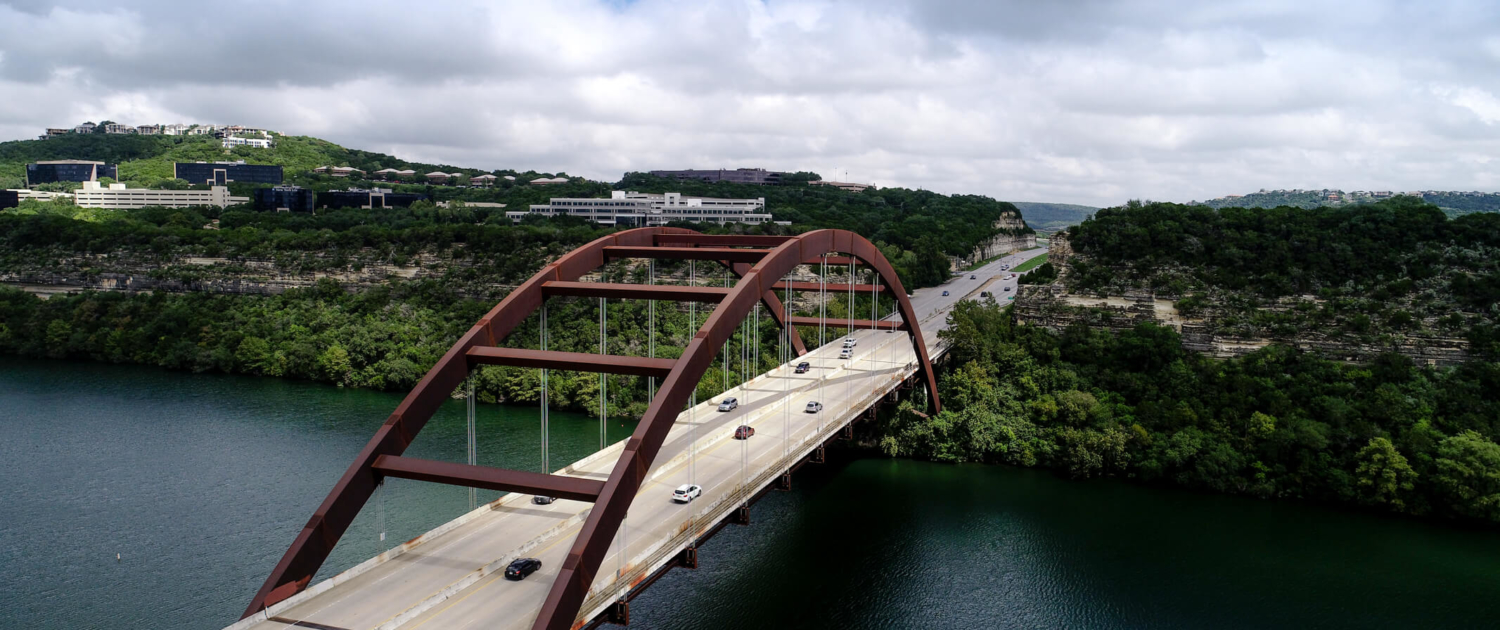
760, 263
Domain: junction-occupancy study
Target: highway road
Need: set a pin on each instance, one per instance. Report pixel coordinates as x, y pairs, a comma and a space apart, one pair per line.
453, 576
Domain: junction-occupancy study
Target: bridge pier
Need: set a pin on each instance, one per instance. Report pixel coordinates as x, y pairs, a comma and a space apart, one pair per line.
784, 482
619, 614
688, 559
818, 456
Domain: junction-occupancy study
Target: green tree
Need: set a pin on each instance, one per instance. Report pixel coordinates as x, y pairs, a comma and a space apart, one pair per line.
1383, 476
1468, 474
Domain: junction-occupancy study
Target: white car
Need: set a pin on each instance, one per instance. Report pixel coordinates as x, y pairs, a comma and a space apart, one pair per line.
814, 407
729, 404
846, 353
850, 342
686, 493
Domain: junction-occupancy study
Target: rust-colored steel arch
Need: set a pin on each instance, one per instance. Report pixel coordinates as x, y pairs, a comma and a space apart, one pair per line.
759, 270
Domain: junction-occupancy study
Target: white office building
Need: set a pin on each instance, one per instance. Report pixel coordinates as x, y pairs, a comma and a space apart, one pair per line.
625, 208
236, 141
118, 197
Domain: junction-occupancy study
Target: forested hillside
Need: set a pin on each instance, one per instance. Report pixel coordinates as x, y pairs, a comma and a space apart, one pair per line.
1051, 217
1399, 266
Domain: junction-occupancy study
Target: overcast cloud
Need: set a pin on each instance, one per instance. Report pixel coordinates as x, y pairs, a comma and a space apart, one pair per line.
1085, 101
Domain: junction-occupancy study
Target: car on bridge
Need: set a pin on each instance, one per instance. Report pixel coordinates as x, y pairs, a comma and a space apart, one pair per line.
686, 493
973, 277
744, 432
1007, 288
729, 404
803, 367
814, 407
542, 500
850, 342
846, 353
945, 294
522, 567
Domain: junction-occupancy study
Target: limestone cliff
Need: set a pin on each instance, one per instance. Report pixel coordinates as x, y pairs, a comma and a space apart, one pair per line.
1014, 237
1054, 307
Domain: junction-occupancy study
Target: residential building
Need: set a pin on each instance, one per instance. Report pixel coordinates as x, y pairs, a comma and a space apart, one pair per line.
845, 186
757, 176
118, 197
221, 173
69, 171
175, 130
625, 208
87, 127
148, 130
118, 129
543, 181
386, 173
203, 130
483, 181
284, 199
236, 141
437, 177
53, 132
344, 171
406, 174
367, 199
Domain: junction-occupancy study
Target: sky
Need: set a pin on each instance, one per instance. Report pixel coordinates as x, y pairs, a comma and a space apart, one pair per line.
1078, 101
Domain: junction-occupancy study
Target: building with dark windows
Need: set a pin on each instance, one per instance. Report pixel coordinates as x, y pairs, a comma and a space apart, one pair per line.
284, 199
221, 173
69, 171
366, 199
9, 199
757, 176
626, 208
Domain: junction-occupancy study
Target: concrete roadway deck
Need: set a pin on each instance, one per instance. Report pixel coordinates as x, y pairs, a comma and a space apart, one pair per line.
452, 576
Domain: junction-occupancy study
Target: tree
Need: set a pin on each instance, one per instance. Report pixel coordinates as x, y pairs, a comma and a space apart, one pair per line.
1468, 474
1383, 476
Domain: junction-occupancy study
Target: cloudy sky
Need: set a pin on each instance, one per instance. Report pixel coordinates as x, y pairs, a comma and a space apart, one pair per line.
1081, 101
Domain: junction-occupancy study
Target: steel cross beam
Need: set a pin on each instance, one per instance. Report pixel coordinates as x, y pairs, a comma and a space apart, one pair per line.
575, 361
487, 478
668, 292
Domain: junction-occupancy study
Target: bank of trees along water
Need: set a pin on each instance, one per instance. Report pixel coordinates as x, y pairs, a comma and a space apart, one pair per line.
1276, 423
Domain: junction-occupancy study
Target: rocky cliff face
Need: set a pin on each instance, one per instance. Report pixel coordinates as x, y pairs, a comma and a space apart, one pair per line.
1053, 307
1012, 240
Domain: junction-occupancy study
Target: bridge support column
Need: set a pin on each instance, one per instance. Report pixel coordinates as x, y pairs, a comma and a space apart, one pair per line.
818, 456
619, 613
784, 482
741, 516
688, 559
848, 431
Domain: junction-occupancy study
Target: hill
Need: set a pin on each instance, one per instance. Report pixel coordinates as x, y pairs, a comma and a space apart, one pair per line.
1452, 203
1051, 217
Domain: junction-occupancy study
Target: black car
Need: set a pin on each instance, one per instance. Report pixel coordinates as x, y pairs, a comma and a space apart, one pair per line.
542, 500
973, 277
803, 367
522, 567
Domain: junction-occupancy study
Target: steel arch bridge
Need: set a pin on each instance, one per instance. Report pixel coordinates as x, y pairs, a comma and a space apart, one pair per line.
760, 262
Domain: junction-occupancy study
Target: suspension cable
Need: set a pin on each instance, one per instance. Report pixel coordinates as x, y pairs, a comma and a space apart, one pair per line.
651, 326
546, 439
473, 454
603, 378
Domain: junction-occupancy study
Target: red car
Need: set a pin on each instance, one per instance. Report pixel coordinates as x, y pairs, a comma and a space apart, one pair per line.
743, 432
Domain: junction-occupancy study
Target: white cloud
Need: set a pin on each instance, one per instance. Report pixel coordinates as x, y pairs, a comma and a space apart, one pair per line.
1089, 102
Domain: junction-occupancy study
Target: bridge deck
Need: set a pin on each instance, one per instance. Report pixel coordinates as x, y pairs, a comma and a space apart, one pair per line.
452, 576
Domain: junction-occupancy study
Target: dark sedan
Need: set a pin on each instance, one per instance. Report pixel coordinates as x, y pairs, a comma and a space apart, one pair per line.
522, 567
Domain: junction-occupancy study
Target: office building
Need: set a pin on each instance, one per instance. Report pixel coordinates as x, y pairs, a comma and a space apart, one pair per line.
236, 141
625, 208
69, 171
284, 199
9, 199
118, 197
221, 173
367, 199
756, 176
